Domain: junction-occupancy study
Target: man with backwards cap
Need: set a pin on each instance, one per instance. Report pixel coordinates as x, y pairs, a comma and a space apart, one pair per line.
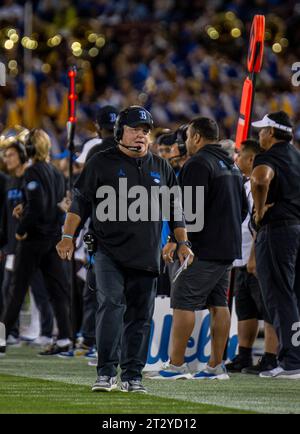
105, 121
128, 255
276, 194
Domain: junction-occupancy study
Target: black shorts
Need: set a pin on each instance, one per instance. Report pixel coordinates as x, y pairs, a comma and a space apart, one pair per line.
201, 285
248, 297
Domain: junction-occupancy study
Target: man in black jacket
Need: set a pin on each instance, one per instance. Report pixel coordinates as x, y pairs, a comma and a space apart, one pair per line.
16, 163
204, 284
128, 256
38, 231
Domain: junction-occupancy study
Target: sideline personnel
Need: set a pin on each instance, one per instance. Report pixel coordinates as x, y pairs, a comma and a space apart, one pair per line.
276, 194
128, 256
38, 231
204, 284
249, 304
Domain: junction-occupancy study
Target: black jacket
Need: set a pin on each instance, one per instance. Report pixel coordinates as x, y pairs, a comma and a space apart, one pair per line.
134, 244
44, 188
3, 180
14, 196
225, 203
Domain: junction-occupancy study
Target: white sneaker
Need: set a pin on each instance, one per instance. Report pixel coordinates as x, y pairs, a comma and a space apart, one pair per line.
29, 335
279, 372
172, 372
219, 372
12, 341
42, 341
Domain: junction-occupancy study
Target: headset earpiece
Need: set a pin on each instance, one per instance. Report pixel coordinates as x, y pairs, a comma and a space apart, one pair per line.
22, 152
29, 146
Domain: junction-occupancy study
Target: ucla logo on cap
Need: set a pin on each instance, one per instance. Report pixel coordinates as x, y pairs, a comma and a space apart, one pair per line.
143, 115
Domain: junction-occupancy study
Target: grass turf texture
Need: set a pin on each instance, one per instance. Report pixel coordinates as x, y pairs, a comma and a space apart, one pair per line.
31, 384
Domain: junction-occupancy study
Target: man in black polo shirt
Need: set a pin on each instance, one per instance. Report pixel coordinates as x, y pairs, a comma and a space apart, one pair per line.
276, 195
204, 284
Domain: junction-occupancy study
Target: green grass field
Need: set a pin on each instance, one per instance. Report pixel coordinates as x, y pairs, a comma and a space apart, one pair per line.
31, 384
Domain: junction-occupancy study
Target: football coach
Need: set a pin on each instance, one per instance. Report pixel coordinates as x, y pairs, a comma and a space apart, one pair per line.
127, 260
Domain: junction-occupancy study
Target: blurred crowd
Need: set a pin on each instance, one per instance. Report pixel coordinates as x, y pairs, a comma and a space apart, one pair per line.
177, 58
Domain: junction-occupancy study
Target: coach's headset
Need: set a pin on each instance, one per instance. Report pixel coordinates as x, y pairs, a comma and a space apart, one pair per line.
132, 116
29, 145
181, 136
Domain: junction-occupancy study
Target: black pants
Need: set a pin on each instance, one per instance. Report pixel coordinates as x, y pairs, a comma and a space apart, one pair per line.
41, 299
2, 263
123, 320
31, 255
89, 310
277, 252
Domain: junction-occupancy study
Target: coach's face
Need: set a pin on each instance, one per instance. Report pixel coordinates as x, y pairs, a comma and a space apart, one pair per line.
265, 137
136, 137
193, 141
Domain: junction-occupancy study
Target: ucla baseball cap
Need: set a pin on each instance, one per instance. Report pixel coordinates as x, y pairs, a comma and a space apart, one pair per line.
106, 117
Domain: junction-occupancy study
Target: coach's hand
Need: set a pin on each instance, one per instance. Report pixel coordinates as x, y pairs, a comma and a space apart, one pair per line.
65, 248
183, 252
259, 215
168, 252
18, 211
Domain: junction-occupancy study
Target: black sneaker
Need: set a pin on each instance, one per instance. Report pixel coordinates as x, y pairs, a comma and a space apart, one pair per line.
264, 364
54, 350
133, 386
2, 351
238, 363
105, 383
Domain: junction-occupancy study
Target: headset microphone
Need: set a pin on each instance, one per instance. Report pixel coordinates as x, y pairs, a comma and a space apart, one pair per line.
132, 148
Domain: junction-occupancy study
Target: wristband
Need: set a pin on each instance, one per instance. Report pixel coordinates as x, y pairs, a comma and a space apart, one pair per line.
67, 236
185, 243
